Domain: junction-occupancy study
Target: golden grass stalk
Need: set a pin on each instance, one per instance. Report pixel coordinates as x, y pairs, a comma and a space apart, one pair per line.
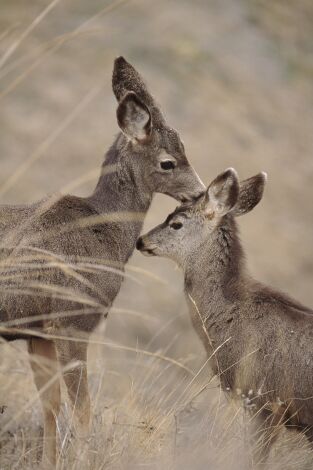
27, 32
60, 41
38, 334
12, 180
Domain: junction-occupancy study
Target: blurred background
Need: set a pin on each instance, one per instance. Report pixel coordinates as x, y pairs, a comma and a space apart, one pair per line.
235, 78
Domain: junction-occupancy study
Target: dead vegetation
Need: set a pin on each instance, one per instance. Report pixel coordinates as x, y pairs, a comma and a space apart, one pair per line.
229, 90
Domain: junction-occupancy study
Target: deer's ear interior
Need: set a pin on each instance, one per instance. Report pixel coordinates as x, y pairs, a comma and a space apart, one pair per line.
134, 117
250, 194
222, 193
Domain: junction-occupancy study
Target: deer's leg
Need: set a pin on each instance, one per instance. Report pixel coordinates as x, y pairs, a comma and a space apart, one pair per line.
44, 364
267, 426
76, 381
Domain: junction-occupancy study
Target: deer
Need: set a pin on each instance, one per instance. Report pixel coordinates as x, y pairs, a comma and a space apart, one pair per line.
259, 341
52, 296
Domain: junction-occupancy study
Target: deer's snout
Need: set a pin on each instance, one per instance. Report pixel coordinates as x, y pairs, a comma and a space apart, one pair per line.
197, 196
192, 196
145, 248
139, 244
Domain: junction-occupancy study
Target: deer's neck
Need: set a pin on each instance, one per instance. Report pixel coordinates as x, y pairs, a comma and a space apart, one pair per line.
122, 196
215, 280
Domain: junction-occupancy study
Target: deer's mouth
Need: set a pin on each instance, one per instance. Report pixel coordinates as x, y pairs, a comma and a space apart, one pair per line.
144, 249
184, 198
189, 199
148, 251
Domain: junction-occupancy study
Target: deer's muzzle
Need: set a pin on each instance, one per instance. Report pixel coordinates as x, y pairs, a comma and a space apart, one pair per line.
143, 248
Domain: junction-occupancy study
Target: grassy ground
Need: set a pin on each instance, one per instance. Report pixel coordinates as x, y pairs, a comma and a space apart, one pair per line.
235, 77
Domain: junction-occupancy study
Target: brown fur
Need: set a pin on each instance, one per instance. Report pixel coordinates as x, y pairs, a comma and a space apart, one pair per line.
62, 259
260, 341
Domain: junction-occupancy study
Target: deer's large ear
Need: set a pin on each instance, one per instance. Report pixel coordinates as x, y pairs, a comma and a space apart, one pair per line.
133, 117
222, 194
126, 78
250, 194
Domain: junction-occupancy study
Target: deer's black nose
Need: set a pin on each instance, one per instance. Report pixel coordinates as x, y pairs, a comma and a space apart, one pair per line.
139, 243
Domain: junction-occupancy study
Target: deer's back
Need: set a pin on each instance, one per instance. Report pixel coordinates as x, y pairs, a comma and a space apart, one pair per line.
58, 258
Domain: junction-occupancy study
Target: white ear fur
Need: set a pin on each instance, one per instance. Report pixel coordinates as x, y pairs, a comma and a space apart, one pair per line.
222, 193
134, 117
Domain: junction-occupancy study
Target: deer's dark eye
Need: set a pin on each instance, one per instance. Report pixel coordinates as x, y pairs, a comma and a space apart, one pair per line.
176, 225
167, 165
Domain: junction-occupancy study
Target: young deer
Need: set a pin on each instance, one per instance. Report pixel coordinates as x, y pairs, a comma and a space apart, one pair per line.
260, 341
48, 248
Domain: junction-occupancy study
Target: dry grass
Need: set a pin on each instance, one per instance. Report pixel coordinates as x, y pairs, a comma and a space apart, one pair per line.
236, 78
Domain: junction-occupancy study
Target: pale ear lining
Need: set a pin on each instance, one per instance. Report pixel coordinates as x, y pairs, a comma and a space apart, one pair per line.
250, 194
134, 117
222, 193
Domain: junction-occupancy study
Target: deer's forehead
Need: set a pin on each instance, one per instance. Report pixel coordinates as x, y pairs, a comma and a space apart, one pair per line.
184, 212
171, 142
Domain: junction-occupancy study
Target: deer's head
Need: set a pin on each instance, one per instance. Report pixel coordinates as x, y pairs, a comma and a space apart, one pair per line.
193, 225
156, 147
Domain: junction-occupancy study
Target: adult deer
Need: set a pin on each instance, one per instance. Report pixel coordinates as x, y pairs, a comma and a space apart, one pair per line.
47, 247
260, 341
